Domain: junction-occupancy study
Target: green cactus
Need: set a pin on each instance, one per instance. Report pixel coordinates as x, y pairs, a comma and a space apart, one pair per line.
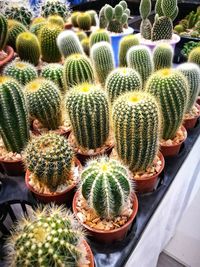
102, 19
28, 47
77, 70
38, 20
125, 44
194, 56
44, 100
14, 126
86, 45
48, 37
170, 88
122, 80
68, 43
106, 186
192, 72
21, 14
23, 72
145, 9
88, 110
81, 35
162, 56
74, 17
103, 60
123, 4
99, 36
197, 26
56, 19
93, 15
145, 29
137, 125
168, 7
175, 14
84, 21
179, 28
56, 7
139, 58
162, 29
4, 31
14, 29
158, 8
36, 28
54, 73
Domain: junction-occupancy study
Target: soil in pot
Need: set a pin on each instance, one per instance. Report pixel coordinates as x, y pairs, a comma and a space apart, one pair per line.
190, 119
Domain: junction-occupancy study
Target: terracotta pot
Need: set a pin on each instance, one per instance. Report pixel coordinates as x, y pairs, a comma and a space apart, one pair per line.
13, 168
10, 55
191, 122
59, 198
147, 183
169, 151
68, 26
106, 236
90, 254
198, 100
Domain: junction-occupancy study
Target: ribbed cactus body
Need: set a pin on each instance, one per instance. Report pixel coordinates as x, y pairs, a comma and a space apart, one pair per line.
122, 80
55, 19
44, 102
99, 35
4, 31
106, 186
14, 29
28, 47
14, 127
145, 8
74, 17
103, 60
162, 29
145, 29
56, 7
125, 44
81, 35
21, 14
36, 28
94, 17
86, 45
194, 56
84, 21
77, 70
88, 110
171, 90
162, 56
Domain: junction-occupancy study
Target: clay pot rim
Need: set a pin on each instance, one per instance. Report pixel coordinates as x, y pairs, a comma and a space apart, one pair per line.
179, 144
130, 220
195, 117
89, 253
10, 55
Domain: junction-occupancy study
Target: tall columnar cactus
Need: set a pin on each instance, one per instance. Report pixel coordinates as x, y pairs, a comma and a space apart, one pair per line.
194, 56
81, 35
139, 58
163, 56
14, 126
4, 31
56, 19
54, 73
137, 125
99, 36
56, 7
36, 28
94, 16
21, 14
88, 110
49, 49
86, 45
77, 70
23, 72
125, 44
84, 21
14, 29
170, 88
44, 100
49, 158
106, 186
145, 26
192, 72
68, 43
103, 60
122, 80
28, 47
74, 17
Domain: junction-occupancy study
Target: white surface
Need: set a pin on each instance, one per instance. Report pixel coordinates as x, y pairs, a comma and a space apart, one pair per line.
162, 225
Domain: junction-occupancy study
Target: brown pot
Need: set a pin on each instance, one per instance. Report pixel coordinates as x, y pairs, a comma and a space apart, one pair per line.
89, 253
110, 236
198, 100
10, 54
146, 184
169, 151
68, 26
191, 122
13, 168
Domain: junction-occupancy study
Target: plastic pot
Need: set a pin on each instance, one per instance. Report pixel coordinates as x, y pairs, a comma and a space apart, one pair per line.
191, 122
10, 54
13, 168
89, 254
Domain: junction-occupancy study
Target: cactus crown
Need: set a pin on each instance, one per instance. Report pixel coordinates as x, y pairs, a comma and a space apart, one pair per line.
56, 7
21, 14
56, 19
84, 21
4, 31
162, 56
106, 186
99, 36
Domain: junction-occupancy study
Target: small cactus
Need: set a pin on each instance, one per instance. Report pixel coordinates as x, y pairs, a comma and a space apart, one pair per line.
4, 31
74, 17
36, 28
38, 20
106, 186
99, 35
81, 35
84, 21
145, 8
56, 7
56, 19
194, 56
102, 19
145, 29
162, 29
14, 29
168, 7
158, 8
94, 16
86, 45
162, 56
21, 14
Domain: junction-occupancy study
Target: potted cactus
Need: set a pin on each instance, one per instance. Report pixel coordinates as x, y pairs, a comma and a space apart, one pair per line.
48, 237
106, 204
52, 169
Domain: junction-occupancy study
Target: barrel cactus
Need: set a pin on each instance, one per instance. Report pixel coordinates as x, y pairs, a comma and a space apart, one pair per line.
81, 35
170, 88
106, 186
194, 56
56, 7
88, 110
56, 19
145, 26
20, 13
86, 45
14, 29
125, 44
163, 56
94, 17
4, 31
28, 47
99, 36
122, 80
137, 125
84, 21
14, 126
44, 101
74, 17
36, 28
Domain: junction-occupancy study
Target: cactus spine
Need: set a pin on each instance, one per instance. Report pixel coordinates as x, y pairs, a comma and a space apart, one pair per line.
99, 35
194, 56
88, 110
14, 127
4, 31
21, 14
56, 7
14, 29
162, 56
84, 21
125, 44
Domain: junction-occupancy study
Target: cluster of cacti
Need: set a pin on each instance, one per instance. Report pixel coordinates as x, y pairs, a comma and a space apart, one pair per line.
23, 72
170, 88
56, 7
81, 35
122, 80
137, 116
84, 21
49, 237
86, 45
56, 19
99, 35
4, 31
74, 17
103, 60
145, 26
106, 186
162, 56
44, 101
68, 43
139, 58
28, 47
94, 17
14, 126
194, 56
88, 110
14, 29
125, 44
20, 13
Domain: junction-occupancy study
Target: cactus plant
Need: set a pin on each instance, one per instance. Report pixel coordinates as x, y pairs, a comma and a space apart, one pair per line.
170, 88
99, 36
145, 9
94, 16
194, 56
28, 47
125, 44
23, 72
139, 57
14, 126
103, 60
14, 29
38, 20
4, 31
81, 35
44, 100
145, 29
20, 13
162, 56
56, 19
122, 80
68, 43
145, 26
84, 21
158, 8
35, 28
74, 17
77, 70
102, 19
56, 7
86, 45
192, 72
112, 186
88, 110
